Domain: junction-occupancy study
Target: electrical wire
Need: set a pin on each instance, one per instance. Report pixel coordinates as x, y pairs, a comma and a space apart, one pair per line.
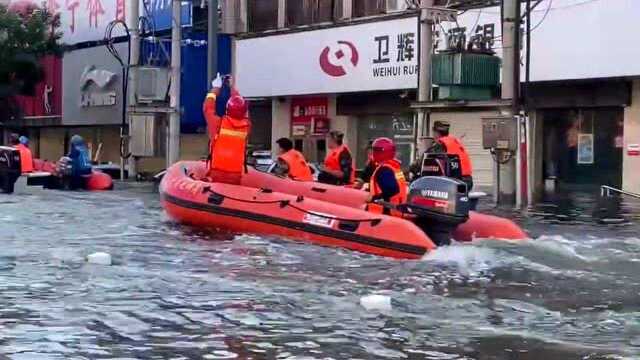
110, 45
473, 28
543, 17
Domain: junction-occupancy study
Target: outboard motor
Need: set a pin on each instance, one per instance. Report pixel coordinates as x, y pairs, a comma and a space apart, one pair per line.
440, 205
10, 169
441, 164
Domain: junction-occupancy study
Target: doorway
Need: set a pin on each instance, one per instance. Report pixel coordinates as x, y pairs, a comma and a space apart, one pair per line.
583, 147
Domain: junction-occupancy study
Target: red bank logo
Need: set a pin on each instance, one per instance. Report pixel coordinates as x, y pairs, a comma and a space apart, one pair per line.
336, 64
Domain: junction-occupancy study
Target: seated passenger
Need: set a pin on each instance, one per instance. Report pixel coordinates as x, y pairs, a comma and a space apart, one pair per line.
387, 182
338, 165
79, 155
291, 162
26, 158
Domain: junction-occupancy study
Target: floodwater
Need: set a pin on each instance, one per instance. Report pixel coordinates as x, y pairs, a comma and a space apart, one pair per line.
179, 293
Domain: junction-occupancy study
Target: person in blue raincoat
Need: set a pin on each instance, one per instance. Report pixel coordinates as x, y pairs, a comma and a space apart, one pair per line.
79, 155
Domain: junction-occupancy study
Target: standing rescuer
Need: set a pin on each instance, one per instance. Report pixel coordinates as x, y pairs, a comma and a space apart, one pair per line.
228, 132
387, 182
451, 145
338, 165
291, 162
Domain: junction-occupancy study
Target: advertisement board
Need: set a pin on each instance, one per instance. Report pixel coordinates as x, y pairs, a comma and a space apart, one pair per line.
86, 20
304, 110
373, 56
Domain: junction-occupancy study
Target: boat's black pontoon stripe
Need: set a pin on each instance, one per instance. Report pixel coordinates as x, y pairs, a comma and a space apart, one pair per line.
310, 228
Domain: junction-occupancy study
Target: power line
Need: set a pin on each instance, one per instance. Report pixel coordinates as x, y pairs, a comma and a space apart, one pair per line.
544, 16
557, 7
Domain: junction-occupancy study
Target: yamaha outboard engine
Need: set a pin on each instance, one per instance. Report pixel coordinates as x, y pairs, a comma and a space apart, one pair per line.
10, 169
441, 164
440, 205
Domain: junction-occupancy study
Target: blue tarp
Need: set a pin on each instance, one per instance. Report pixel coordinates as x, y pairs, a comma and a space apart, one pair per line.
160, 13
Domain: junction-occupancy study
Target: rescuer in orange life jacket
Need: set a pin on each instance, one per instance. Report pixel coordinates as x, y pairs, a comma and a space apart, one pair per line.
229, 130
26, 158
338, 166
451, 145
387, 182
291, 162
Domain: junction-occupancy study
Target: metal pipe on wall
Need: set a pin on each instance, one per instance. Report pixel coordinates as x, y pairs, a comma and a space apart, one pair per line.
173, 135
134, 31
424, 70
212, 40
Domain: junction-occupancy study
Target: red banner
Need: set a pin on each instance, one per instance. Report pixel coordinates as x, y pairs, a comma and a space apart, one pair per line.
305, 110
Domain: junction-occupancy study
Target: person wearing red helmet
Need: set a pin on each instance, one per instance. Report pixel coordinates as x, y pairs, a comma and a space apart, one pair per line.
387, 183
228, 132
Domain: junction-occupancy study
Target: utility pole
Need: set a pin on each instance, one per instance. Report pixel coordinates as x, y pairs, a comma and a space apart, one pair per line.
212, 40
424, 68
173, 135
134, 31
510, 91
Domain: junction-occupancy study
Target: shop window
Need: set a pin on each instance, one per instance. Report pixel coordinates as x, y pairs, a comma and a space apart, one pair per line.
262, 15
399, 127
584, 146
362, 8
304, 12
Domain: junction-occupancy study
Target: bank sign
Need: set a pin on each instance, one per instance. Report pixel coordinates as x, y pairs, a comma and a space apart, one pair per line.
365, 57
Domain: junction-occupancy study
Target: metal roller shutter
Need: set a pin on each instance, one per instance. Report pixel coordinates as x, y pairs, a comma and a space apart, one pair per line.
467, 126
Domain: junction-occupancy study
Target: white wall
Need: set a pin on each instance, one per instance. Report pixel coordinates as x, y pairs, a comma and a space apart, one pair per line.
631, 164
281, 120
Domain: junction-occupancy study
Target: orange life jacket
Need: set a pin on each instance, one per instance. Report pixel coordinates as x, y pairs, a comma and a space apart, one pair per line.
229, 146
394, 165
332, 162
454, 147
26, 158
399, 198
298, 167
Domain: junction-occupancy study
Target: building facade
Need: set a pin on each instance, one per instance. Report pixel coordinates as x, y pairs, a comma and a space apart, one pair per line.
82, 92
314, 66
581, 100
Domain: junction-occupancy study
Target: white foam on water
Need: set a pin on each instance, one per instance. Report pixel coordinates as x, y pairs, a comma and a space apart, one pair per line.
469, 259
559, 245
376, 302
99, 258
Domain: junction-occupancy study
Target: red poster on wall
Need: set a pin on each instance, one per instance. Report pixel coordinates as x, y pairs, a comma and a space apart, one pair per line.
47, 99
305, 110
320, 126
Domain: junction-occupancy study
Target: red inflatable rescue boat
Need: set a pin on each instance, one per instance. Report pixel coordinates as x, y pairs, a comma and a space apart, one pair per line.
96, 181
327, 215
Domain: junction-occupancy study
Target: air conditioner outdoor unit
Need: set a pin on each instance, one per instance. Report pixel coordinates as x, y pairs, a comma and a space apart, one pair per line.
401, 5
152, 85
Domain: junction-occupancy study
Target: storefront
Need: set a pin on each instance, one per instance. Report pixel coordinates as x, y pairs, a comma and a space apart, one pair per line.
582, 131
353, 78
584, 146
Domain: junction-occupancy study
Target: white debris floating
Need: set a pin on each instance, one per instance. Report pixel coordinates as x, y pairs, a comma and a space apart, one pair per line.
376, 302
99, 258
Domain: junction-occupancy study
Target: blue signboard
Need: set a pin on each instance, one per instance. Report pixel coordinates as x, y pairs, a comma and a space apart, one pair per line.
160, 13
